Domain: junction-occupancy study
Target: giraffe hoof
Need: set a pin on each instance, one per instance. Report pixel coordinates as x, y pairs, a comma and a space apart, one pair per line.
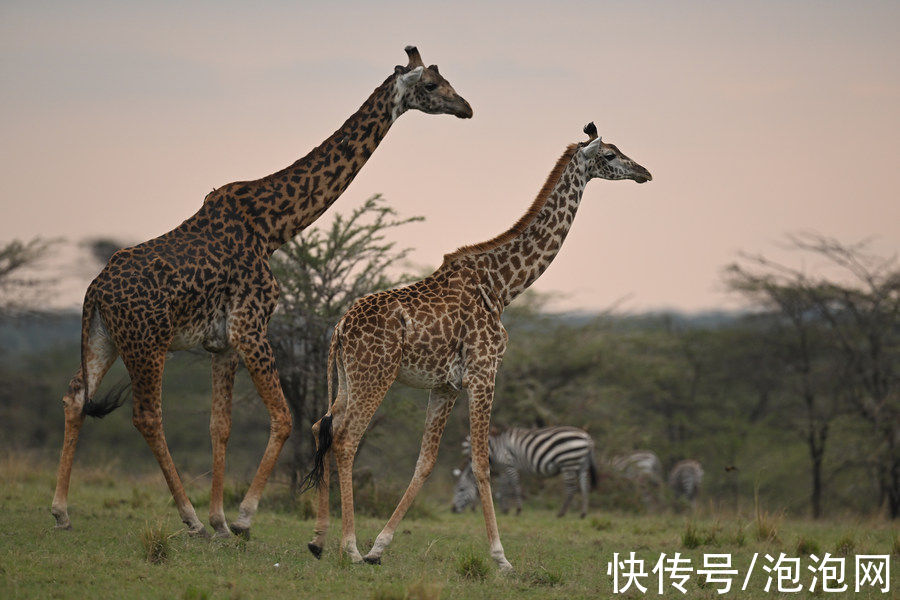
316, 550
372, 560
62, 519
201, 533
222, 534
242, 532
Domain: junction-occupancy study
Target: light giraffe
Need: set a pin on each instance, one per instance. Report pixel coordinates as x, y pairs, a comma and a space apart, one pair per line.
207, 283
443, 334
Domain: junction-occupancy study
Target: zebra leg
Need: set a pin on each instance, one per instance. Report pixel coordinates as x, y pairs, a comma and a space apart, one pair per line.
570, 480
515, 487
585, 485
439, 406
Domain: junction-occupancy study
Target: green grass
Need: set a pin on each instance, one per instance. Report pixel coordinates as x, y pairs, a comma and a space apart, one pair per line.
122, 546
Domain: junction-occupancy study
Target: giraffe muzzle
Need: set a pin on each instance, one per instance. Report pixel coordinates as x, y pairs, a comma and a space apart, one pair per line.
463, 110
641, 175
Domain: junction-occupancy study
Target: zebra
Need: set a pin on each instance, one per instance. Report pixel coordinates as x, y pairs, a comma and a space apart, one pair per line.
546, 452
642, 466
644, 469
685, 479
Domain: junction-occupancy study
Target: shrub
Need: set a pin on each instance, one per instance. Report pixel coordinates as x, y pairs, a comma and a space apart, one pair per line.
694, 537
155, 543
470, 565
766, 524
807, 546
845, 546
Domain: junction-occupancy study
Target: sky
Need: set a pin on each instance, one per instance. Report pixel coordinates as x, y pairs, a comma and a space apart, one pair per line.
757, 119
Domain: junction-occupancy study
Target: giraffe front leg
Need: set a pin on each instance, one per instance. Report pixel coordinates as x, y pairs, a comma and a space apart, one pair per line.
260, 362
439, 406
223, 369
146, 378
480, 400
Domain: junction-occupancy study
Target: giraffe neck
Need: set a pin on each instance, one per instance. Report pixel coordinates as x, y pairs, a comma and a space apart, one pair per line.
514, 265
281, 205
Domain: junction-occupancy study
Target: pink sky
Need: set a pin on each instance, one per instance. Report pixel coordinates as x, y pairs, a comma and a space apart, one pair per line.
756, 119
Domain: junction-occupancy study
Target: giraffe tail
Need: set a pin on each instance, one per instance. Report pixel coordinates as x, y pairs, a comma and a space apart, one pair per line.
115, 397
325, 425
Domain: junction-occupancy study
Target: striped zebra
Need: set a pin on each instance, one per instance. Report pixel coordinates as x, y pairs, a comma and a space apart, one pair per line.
642, 466
644, 470
685, 479
547, 452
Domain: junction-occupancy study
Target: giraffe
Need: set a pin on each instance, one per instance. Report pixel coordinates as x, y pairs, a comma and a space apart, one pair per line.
207, 283
444, 334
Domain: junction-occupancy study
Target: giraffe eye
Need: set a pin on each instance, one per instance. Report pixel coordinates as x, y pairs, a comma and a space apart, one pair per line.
430, 87
609, 157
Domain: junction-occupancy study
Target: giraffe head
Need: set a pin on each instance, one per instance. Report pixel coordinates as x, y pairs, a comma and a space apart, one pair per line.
605, 161
424, 88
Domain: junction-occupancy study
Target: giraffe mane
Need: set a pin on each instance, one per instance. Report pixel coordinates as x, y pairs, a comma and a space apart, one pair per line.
526, 219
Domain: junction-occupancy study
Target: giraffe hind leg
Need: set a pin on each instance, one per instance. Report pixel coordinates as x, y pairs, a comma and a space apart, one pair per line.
100, 354
324, 441
437, 413
223, 370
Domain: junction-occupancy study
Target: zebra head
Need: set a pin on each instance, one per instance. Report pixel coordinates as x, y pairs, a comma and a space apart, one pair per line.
466, 491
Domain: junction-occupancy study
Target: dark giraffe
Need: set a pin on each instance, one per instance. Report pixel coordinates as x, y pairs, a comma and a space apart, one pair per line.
207, 283
444, 334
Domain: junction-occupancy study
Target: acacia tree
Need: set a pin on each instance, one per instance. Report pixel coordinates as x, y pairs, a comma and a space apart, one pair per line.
321, 272
797, 338
847, 323
18, 281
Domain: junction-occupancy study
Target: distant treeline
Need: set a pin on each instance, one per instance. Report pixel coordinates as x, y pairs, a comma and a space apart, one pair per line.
710, 387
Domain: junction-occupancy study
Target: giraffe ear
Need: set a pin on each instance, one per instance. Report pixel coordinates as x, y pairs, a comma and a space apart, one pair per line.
410, 79
590, 151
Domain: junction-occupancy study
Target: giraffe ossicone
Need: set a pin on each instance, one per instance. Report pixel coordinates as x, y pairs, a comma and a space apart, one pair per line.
208, 283
444, 334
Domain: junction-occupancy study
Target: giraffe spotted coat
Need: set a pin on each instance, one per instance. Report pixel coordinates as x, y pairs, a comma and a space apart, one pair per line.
444, 334
208, 283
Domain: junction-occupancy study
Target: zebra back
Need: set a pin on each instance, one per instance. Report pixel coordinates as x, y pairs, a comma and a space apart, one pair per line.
641, 466
545, 451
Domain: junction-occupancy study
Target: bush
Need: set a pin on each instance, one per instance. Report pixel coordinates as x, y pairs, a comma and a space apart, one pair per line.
470, 565
155, 542
807, 546
845, 546
694, 537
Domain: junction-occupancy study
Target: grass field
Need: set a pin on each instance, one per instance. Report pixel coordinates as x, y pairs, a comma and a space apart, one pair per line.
435, 555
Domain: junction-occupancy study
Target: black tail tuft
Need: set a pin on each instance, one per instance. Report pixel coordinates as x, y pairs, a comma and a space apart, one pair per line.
314, 478
110, 401
592, 469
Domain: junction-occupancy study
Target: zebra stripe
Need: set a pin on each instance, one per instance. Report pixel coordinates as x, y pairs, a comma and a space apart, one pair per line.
685, 479
546, 452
